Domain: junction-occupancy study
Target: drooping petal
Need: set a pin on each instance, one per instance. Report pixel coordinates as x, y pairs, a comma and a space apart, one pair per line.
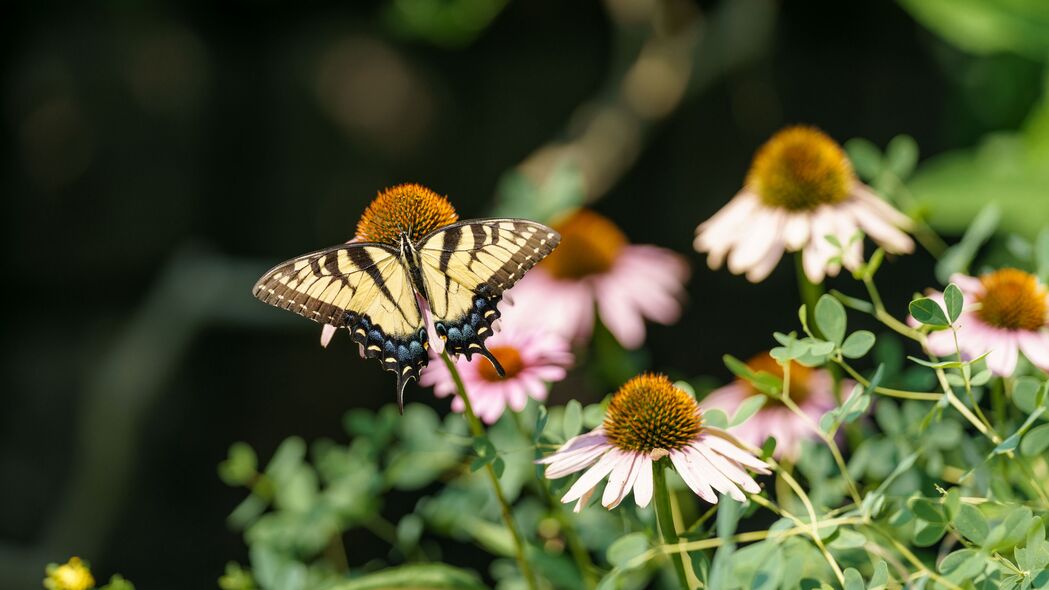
701, 468
621, 480
887, 235
725, 444
730, 469
697, 485
593, 476
797, 230
327, 332
761, 235
643, 484
1002, 358
1035, 346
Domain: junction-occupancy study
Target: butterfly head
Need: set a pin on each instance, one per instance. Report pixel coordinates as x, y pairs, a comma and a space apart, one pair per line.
404, 211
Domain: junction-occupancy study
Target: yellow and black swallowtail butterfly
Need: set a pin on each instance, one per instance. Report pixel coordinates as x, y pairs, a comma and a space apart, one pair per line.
379, 288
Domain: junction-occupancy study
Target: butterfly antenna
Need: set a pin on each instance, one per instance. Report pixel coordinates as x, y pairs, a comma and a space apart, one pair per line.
495, 362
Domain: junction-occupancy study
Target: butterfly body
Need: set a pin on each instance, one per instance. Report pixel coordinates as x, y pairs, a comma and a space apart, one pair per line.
382, 292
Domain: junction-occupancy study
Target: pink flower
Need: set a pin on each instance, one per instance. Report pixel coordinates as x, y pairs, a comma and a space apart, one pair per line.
648, 419
800, 189
531, 358
595, 265
1005, 313
811, 389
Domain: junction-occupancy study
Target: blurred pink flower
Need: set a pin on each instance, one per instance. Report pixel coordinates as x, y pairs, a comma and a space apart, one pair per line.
800, 189
531, 358
1005, 313
648, 419
595, 265
811, 389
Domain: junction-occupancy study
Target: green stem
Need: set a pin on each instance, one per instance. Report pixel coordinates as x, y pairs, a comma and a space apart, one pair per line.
665, 518
508, 516
575, 543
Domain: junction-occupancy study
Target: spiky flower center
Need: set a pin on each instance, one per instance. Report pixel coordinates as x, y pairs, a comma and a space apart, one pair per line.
590, 243
799, 377
799, 169
648, 413
1013, 300
405, 209
508, 356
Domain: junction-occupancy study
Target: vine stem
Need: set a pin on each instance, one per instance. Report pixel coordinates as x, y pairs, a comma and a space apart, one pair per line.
508, 516
665, 518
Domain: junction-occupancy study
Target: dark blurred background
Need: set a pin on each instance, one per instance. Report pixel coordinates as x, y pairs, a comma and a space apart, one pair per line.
162, 155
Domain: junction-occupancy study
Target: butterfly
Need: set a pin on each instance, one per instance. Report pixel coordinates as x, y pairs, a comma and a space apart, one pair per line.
382, 292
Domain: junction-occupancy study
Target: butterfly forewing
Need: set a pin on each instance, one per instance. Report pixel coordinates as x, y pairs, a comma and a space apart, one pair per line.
467, 266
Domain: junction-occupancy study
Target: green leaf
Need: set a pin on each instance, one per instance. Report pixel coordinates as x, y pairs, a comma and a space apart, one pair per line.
626, 548
971, 523
573, 419
928, 312
963, 564
858, 344
853, 579
927, 534
901, 155
748, 408
240, 467
952, 297
715, 418
986, 27
429, 576
880, 578
830, 318
865, 156
1029, 393
928, 510
1035, 441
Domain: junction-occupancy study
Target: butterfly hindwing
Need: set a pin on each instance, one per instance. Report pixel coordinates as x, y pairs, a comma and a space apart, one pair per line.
467, 266
362, 287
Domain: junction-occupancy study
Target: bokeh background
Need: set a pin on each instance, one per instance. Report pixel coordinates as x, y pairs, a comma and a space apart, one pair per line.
161, 155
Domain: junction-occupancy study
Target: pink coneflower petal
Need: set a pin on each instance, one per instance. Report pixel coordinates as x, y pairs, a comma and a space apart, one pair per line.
1002, 358
591, 477
696, 483
730, 469
968, 285
702, 467
643, 484
762, 234
886, 234
327, 332
724, 444
621, 480
796, 230
621, 318
1035, 346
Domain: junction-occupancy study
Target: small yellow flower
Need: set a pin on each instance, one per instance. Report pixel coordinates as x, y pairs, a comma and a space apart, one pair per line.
72, 575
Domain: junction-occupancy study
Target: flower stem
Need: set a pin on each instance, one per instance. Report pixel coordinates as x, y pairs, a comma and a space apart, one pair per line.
578, 549
665, 518
508, 516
